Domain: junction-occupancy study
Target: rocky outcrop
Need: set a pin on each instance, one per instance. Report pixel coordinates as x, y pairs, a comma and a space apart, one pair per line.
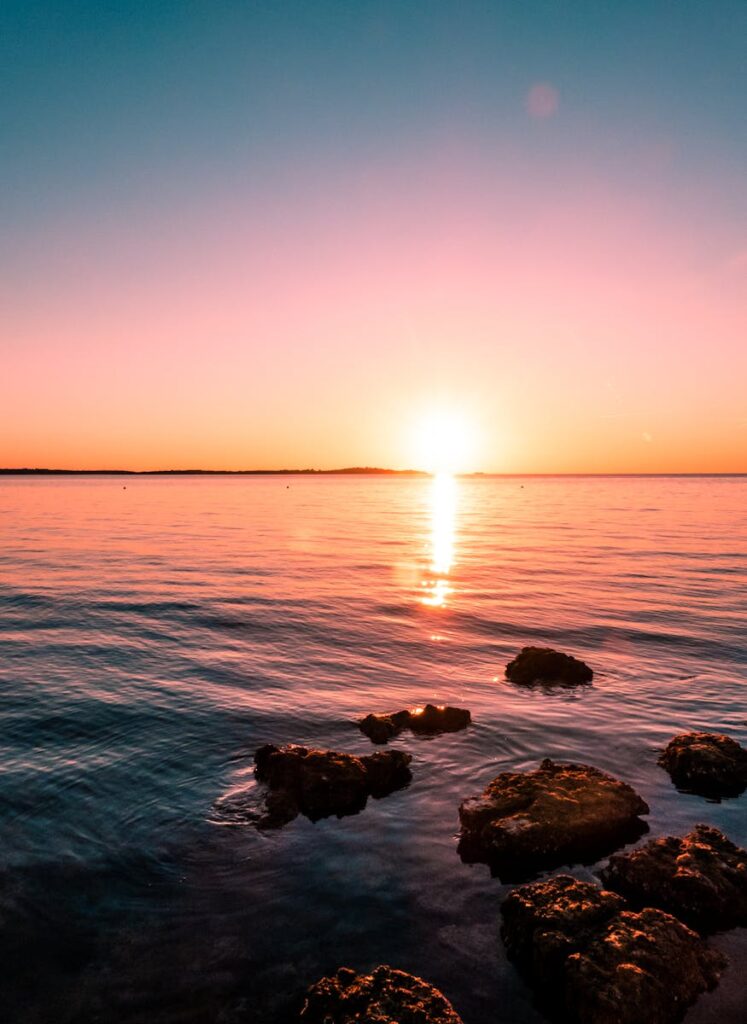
700, 878
706, 763
430, 720
645, 966
594, 962
544, 665
557, 814
545, 922
321, 783
382, 997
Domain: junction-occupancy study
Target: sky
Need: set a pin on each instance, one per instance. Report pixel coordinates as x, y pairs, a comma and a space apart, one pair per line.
283, 234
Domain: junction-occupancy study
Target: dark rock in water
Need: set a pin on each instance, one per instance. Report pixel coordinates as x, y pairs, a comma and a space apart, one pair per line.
700, 878
381, 728
281, 806
595, 962
246, 805
434, 719
545, 922
706, 763
382, 997
645, 966
386, 771
431, 719
557, 814
544, 665
320, 783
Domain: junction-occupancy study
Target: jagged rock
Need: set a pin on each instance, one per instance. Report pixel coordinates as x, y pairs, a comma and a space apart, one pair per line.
320, 783
645, 966
428, 720
595, 962
557, 814
382, 997
706, 763
544, 665
700, 878
381, 728
545, 922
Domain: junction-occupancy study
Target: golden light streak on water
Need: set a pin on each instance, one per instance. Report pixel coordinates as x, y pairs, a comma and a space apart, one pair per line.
443, 501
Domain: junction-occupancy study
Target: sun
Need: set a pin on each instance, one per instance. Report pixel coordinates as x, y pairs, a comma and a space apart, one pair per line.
444, 441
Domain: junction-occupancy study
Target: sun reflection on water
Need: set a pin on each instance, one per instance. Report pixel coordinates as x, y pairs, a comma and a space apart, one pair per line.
437, 587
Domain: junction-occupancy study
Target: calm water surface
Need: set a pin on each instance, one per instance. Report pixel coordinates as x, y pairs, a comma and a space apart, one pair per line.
154, 632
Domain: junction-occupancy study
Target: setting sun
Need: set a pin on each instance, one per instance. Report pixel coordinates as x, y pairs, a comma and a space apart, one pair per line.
445, 442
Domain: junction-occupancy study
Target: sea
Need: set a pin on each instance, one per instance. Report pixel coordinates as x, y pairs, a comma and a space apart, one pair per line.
154, 631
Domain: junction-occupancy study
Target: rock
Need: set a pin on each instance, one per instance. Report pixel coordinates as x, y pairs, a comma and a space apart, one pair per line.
645, 966
281, 807
320, 783
435, 719
557, 814
700, 878
382, 997
431, 719
381, 728
544, 665
595, 962
706, 763
545, 922
244, 805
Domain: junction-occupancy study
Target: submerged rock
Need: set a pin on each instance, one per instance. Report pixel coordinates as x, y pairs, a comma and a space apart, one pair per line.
320, 783
431, 719
706, 763
595, 962
247, 805
557, 814
700, 878
384, 996
544, 665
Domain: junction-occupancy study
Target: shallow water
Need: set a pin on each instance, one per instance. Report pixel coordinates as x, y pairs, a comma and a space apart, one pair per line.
155, 631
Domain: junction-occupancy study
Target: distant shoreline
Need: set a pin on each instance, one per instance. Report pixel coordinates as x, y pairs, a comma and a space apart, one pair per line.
351, 471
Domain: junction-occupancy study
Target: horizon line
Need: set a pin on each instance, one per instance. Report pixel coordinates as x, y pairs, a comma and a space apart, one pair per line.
344, 471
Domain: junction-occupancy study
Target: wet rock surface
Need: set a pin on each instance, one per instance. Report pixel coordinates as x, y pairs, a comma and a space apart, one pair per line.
595, 962
386, 995
706, 763
545, 922
557, 814
322, 783
430, 720
645, 966
543, 665
701, 878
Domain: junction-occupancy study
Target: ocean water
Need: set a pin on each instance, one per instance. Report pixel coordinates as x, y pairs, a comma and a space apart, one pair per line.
155, 631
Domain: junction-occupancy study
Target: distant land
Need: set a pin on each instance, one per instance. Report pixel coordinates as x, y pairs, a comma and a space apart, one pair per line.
361, 470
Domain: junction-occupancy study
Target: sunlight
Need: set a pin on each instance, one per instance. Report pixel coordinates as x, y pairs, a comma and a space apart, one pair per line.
444, 442
443, 514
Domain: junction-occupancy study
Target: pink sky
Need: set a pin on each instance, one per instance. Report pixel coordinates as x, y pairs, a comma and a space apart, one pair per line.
581, 323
